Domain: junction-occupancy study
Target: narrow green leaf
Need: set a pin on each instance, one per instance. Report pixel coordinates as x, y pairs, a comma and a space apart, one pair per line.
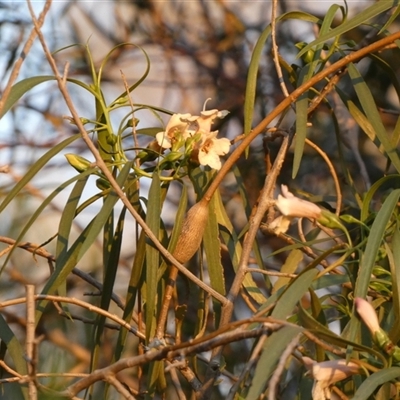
113, 247
133, 287
359, 19
153, 216
212, 249
67, 217
388, 69
177, 228
293, 293
365, 210
273, 348
324, 333
368, 387
83, 242
234, 246
23, 86
394, 263
289, 267
15, 350
368, 104
144, 75
301, 132
376, 235
35, 168
105, 211
20, 88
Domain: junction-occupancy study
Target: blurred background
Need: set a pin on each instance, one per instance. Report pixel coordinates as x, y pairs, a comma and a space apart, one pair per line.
197, 50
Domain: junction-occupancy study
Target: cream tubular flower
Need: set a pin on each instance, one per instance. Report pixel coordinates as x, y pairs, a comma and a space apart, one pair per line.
175, 130
368, 314
291, 206
207, 118
327, 373
210, 149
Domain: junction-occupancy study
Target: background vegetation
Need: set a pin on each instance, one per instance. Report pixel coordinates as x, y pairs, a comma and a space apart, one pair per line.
134, 266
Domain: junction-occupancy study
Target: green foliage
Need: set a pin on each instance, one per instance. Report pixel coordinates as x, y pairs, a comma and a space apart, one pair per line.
146, 333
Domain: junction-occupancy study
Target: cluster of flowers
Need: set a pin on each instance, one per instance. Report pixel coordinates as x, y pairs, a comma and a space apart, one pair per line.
192, 135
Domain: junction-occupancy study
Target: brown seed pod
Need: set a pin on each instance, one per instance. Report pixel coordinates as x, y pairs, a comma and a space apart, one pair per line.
192, 232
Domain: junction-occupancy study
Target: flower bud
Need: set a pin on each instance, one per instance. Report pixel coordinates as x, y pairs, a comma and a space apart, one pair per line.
192, 232
367, 314
78, 162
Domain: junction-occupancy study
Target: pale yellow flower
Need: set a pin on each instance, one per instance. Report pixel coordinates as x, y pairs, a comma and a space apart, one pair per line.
207, 118
210, 149
176, 130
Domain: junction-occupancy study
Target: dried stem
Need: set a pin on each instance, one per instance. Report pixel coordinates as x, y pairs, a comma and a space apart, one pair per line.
170, 352
275, 51
30, 340
274, 381
81, 303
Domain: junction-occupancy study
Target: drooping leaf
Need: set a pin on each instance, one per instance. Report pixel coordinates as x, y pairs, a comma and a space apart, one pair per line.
367, 262
359, 19
293, 293
212, 248
370, 109
370, 384
15, 351
231, 240
83, 242
152, 254
22, 87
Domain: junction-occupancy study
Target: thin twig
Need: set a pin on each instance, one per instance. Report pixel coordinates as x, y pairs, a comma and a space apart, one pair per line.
119, 387
81, 303
333, 173
271, 273
40, 251
30, 340
169, 352
22, 57
275, 51
274, 381
249, 365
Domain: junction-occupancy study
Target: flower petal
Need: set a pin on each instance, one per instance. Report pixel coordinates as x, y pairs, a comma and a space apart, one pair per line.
210, 158
292, 206
221, 146
163, 140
